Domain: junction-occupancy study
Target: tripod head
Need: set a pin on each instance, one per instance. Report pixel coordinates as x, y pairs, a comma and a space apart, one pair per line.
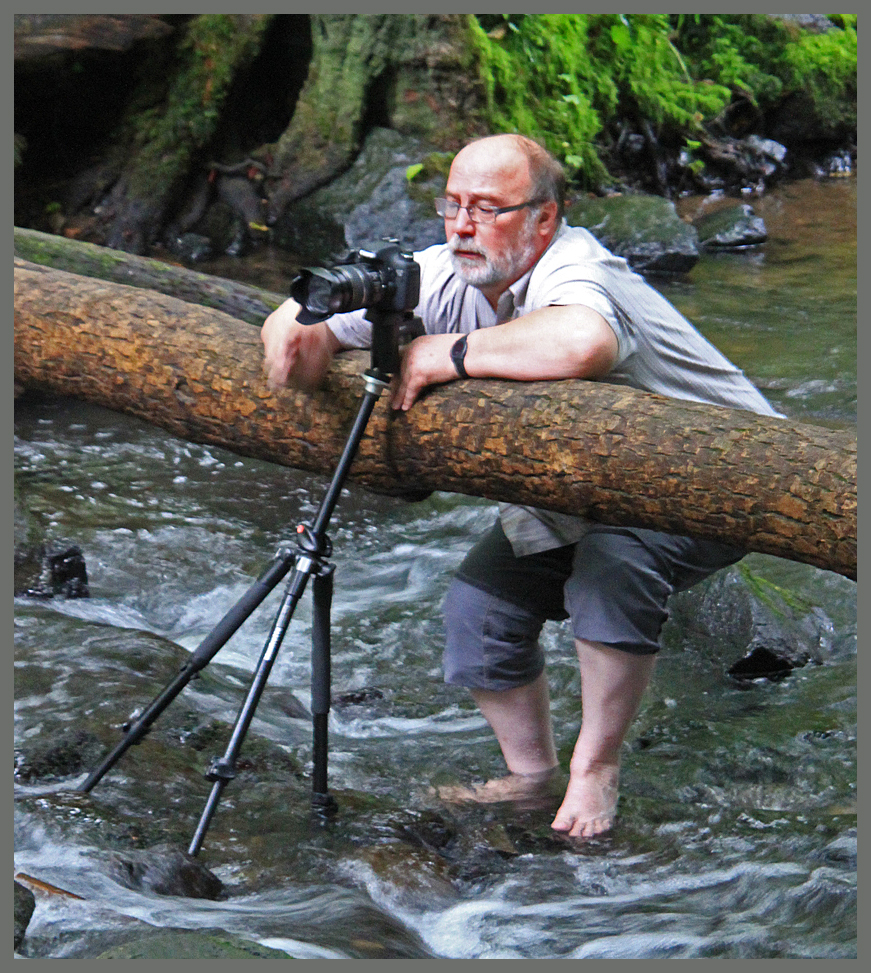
386, 283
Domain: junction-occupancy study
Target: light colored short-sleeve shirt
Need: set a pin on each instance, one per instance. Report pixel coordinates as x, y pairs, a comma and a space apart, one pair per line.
658, 349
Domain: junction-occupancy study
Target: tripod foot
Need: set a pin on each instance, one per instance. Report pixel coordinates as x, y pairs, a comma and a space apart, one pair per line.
324, 805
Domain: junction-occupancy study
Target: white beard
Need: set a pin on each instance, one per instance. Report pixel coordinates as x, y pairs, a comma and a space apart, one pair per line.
495, 268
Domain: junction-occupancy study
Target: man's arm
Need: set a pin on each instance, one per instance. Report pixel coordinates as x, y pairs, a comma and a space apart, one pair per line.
296, 354
551, 343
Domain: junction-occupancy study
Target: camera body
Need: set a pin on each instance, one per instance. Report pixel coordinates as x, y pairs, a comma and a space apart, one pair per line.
386, 282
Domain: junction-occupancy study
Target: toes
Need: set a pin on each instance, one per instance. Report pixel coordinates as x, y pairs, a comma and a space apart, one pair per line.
582, 827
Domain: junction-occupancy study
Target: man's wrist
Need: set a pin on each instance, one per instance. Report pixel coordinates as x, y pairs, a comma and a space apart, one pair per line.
458, 355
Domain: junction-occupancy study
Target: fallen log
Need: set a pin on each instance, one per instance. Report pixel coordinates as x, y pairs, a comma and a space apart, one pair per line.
89, 260
610, 453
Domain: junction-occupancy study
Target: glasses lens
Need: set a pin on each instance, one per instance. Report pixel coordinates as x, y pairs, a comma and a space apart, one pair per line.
447, 207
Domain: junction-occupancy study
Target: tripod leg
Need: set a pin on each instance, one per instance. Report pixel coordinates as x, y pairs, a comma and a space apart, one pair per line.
199, 659
322, 802
224, 769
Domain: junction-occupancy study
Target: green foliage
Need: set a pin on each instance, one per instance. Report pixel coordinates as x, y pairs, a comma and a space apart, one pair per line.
650, 73
536, 84
556, 77
560, 78
767, 59
825, 67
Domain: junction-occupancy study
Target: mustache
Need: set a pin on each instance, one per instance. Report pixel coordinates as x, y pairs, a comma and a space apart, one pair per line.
455, 244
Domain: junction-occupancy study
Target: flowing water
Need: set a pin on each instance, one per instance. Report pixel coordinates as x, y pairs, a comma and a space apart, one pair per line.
737, 835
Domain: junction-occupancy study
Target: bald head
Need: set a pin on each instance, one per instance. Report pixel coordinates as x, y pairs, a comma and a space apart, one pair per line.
518, 162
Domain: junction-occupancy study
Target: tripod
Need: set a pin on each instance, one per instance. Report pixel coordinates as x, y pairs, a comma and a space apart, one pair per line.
309, 559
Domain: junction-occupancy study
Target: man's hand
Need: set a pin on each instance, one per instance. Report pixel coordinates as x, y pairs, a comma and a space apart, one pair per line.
296, 354
425, 361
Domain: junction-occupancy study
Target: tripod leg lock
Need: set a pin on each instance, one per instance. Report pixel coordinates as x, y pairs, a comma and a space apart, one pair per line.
220, 769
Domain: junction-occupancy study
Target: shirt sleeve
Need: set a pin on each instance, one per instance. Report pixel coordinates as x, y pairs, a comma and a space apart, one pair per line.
577, 271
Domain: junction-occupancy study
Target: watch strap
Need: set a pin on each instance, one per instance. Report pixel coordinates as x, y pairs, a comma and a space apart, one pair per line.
458, 353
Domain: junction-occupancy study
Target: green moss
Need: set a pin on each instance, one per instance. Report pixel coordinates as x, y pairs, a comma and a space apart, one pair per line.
167, 135
767, 59
533, 70
560, 78
770, 594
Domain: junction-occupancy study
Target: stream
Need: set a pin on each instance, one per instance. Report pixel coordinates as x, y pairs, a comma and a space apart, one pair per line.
737, 834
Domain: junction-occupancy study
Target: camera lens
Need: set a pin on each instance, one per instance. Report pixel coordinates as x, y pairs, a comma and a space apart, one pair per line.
318, 294
325, 292
355, 287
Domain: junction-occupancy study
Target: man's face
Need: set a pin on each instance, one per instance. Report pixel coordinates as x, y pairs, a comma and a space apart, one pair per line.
491, 256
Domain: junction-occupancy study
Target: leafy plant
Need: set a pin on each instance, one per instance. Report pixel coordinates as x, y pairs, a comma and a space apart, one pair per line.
767, 59
560, 78
555, 77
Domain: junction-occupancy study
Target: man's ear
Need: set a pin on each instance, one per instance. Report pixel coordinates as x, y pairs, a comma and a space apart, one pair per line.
547, 217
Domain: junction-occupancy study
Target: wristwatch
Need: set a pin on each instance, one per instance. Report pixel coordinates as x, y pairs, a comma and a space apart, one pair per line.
458, 353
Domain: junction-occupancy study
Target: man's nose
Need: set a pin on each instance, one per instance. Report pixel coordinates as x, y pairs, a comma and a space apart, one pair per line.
463, 223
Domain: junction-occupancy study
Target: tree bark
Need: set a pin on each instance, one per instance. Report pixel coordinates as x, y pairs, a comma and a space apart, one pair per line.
610, 453
160, 144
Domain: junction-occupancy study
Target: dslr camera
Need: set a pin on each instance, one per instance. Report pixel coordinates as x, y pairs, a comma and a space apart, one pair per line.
386, 282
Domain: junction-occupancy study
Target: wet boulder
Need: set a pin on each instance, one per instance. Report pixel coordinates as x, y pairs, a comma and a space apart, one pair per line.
739, 163
645, 230
757, 630
166, 871
25, 903
53, 568
378, 198
732, 227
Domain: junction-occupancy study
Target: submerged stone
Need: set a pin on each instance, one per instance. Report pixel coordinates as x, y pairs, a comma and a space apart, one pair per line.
55, 567
165, 871
732, 227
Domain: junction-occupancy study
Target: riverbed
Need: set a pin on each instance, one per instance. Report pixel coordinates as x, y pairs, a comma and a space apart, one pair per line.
737, 835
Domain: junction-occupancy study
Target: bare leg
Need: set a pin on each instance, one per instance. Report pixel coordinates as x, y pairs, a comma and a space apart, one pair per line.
612, 686
520, 718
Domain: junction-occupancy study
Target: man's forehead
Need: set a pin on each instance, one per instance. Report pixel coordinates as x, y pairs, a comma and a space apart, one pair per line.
484, 171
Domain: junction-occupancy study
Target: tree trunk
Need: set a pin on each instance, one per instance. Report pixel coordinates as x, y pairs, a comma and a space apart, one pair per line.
162, 144
611, 453
367, 70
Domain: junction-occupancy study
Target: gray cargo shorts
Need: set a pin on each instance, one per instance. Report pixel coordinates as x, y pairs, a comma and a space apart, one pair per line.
614, 585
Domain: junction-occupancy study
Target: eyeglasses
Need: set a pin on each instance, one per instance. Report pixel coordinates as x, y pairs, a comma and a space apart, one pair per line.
449, 209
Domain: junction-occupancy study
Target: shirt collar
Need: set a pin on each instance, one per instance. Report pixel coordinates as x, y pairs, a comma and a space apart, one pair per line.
518, 289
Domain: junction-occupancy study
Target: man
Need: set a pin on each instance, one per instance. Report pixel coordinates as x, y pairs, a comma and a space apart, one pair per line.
517, 294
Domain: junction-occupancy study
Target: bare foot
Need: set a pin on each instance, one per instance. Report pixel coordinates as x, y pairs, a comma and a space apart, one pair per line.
590, 804
526, 789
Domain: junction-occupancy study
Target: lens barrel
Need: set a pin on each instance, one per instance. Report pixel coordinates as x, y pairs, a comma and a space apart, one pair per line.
344, 288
